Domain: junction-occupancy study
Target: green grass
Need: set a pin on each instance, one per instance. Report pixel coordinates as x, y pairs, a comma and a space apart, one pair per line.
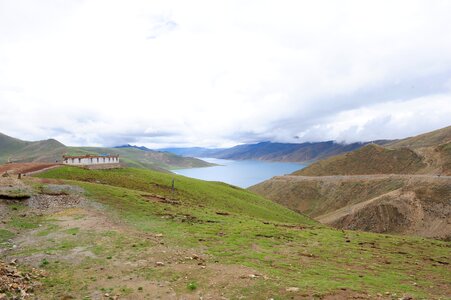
195, 193
5, 235
288, 248
24, 223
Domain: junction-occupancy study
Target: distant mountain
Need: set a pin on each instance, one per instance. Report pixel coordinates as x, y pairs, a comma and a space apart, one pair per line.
133, 146
15, 150
288, 152
195, 151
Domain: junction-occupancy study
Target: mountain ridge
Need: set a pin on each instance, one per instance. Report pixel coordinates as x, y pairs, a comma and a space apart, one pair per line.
271, 151
51, 150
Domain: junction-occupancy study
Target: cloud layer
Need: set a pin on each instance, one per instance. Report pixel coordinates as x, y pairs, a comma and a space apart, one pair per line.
217, 73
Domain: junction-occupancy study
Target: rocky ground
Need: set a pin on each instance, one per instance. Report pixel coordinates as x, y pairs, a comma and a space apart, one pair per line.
15, 284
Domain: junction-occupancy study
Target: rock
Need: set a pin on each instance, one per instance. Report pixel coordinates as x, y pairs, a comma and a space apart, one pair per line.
159, 263
159, 235
292, 289
2, 296
252, 276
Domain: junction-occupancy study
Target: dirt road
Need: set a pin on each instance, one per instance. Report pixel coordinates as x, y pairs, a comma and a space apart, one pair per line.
331, 178
26, 168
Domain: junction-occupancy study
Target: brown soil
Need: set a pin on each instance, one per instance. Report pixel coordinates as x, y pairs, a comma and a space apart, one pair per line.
25, 168
403, 204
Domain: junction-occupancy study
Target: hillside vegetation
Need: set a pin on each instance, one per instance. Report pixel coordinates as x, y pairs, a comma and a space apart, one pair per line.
51, 151
124, 233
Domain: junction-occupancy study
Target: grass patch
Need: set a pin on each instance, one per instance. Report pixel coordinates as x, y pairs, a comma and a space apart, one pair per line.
192, 286
24, 223
5, 235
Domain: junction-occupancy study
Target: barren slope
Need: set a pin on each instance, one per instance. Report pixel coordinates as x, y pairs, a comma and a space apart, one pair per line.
405, 204
371, 159
396, 189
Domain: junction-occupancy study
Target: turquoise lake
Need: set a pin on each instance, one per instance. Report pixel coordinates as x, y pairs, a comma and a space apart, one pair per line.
242, 173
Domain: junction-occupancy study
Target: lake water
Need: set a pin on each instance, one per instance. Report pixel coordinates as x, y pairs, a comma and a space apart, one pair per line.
242, 173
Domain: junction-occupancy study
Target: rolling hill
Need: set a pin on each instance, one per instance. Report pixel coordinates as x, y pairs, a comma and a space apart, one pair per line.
15, 150
124, 233
383, 189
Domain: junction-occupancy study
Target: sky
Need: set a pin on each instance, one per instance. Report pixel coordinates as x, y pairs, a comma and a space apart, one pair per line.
219, 73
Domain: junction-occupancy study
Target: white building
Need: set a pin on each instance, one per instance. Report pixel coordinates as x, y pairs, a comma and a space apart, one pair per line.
84, 160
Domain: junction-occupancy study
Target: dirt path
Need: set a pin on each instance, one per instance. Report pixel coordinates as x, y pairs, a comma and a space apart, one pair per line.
331, 178
26, 168
352, 209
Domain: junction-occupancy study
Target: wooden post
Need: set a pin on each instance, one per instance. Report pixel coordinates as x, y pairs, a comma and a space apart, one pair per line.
173, 185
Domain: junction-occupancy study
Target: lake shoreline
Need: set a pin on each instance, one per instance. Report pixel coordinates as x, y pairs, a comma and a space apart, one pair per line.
241, 173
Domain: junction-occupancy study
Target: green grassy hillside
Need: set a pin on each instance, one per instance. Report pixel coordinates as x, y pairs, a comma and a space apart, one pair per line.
52, 151
9, 144
208, 240
190, 192
371, 159
23, 151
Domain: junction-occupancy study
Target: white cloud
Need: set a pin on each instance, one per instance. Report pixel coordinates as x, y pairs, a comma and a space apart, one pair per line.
216, 73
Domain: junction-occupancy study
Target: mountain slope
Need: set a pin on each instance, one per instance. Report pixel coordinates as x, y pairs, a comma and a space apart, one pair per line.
374, 188
433, 138
273, 151
371, 159
402, 204
51, 150
23, 151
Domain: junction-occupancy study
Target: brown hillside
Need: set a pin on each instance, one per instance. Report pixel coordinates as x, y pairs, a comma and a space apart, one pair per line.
420, 208
371, 159
434, 138
404, 204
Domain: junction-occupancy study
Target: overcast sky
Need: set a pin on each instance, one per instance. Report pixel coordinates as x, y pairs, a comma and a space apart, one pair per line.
218, 73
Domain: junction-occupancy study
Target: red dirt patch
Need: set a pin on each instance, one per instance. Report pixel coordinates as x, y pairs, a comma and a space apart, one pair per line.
24, 168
